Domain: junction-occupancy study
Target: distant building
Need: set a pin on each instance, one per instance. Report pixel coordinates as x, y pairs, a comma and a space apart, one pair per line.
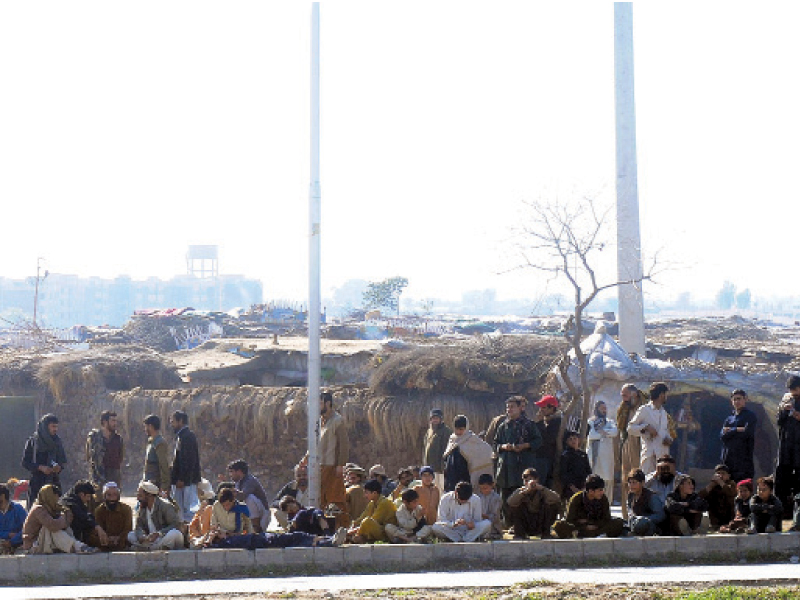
66, 300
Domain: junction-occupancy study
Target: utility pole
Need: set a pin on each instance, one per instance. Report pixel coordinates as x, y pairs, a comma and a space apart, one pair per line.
39, 279
314, 298
629, 245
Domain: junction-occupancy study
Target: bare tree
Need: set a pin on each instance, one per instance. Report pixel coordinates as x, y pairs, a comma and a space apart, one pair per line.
565, 240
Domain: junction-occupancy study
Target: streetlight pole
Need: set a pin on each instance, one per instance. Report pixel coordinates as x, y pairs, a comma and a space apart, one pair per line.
314, 299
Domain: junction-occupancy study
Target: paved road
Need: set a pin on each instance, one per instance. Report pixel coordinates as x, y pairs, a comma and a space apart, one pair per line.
784, 572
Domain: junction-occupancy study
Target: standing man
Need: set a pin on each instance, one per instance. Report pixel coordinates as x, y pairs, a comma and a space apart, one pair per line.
185, 466
435, 445
787, 469
156, 456
516, 440
651, 424
631, 398
333, 452
104, 451
548, 420
43, 456
738, 439
600, 450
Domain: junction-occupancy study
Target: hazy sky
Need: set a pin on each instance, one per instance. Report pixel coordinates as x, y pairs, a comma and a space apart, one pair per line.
129, 130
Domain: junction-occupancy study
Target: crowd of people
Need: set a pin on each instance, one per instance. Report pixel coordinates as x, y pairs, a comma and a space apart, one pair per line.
522, 477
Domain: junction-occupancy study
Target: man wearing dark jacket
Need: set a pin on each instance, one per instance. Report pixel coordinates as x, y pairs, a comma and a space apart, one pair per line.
435, 444
589, 514
43, 456
787, 469
574, 467
515, 442
720, 494
79, 501
548, 420
738, 438
185, 466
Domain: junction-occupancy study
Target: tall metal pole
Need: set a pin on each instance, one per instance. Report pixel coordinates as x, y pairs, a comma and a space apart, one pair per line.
629, 246
314, 299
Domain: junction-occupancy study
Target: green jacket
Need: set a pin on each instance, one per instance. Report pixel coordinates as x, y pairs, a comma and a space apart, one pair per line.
576, 512
510, 464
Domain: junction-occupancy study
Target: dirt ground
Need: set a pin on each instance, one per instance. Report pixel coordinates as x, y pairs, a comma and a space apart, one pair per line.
541, 590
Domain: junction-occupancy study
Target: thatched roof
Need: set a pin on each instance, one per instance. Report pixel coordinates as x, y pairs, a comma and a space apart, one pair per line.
485, 364
111, 368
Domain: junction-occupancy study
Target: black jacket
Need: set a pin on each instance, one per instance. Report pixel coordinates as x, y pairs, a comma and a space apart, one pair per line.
186, 465
456, 470
83, 522
674, 505
575, 468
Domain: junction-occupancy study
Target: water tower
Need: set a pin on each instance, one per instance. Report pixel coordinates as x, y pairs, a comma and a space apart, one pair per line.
202, 261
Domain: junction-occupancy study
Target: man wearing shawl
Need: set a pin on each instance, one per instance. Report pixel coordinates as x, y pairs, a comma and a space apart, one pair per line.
44, 456
602, 436
476, 452
45, 528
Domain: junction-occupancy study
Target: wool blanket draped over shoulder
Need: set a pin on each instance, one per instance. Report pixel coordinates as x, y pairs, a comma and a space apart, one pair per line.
475, 451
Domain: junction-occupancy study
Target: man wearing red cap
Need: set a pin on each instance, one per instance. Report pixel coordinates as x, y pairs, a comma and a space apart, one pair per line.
548, 421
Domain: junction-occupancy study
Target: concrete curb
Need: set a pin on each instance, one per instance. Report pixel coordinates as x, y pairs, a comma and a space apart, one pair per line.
61, 568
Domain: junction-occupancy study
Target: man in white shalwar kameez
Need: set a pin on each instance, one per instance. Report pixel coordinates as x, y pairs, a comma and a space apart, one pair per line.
602, 437
651, 424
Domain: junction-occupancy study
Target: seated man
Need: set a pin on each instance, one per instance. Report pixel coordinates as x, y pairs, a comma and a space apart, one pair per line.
461, 516
741, 508
113, 517
411, 524
80, 501
354, 494
405, 477
46, 528
308, 520
574, 464
533, 508
387, 485
491, 503
588, 514
720, 494
12, 518
157, 524
229, 517
200, 526
371, 525
662, 480
250, 491
766, 511
297, 489
645, 509
684, 508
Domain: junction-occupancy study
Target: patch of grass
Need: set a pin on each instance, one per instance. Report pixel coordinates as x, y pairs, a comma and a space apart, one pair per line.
534, 583
732, 592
